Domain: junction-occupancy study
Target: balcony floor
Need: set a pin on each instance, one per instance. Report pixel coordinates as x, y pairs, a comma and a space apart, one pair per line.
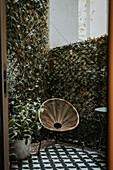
62, 157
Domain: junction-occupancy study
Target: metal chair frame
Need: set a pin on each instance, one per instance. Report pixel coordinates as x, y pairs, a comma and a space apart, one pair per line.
56, 126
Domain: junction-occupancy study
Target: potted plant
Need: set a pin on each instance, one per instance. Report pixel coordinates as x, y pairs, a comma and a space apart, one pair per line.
22, 121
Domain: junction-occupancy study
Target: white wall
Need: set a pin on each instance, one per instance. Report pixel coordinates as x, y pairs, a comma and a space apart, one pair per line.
99, 24
63, 22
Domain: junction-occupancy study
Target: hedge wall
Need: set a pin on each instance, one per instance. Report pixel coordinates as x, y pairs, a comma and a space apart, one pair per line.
76, 72
27, 41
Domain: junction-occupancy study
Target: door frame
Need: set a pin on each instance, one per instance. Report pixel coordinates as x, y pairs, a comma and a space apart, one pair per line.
4, 142
110, 88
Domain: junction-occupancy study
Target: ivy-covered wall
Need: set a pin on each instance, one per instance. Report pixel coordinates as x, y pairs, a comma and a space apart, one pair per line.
76, 72
27, 41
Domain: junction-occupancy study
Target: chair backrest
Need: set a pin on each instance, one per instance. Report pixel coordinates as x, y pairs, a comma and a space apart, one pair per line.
59, 115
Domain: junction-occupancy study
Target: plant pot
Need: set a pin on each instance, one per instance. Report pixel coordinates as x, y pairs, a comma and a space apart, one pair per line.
20, 148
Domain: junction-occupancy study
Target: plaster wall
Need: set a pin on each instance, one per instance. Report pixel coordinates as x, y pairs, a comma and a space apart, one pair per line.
63, 22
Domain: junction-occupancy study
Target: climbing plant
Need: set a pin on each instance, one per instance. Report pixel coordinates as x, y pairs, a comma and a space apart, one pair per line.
27, 41
76, 72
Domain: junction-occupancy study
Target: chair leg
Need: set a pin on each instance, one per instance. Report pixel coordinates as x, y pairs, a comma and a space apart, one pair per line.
39, 147
80, 139
56, 137
40, 140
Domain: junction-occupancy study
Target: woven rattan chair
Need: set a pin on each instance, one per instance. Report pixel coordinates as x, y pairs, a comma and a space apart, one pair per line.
59, 115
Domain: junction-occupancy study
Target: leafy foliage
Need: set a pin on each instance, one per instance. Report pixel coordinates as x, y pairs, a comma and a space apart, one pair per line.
76, 72
27, 39
24, 119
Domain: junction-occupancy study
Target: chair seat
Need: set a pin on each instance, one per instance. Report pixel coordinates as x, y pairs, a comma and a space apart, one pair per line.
59, 115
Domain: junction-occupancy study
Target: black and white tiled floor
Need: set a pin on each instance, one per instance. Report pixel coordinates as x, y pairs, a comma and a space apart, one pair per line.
59, 157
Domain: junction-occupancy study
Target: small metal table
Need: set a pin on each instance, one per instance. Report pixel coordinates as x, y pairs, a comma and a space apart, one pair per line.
101, 110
